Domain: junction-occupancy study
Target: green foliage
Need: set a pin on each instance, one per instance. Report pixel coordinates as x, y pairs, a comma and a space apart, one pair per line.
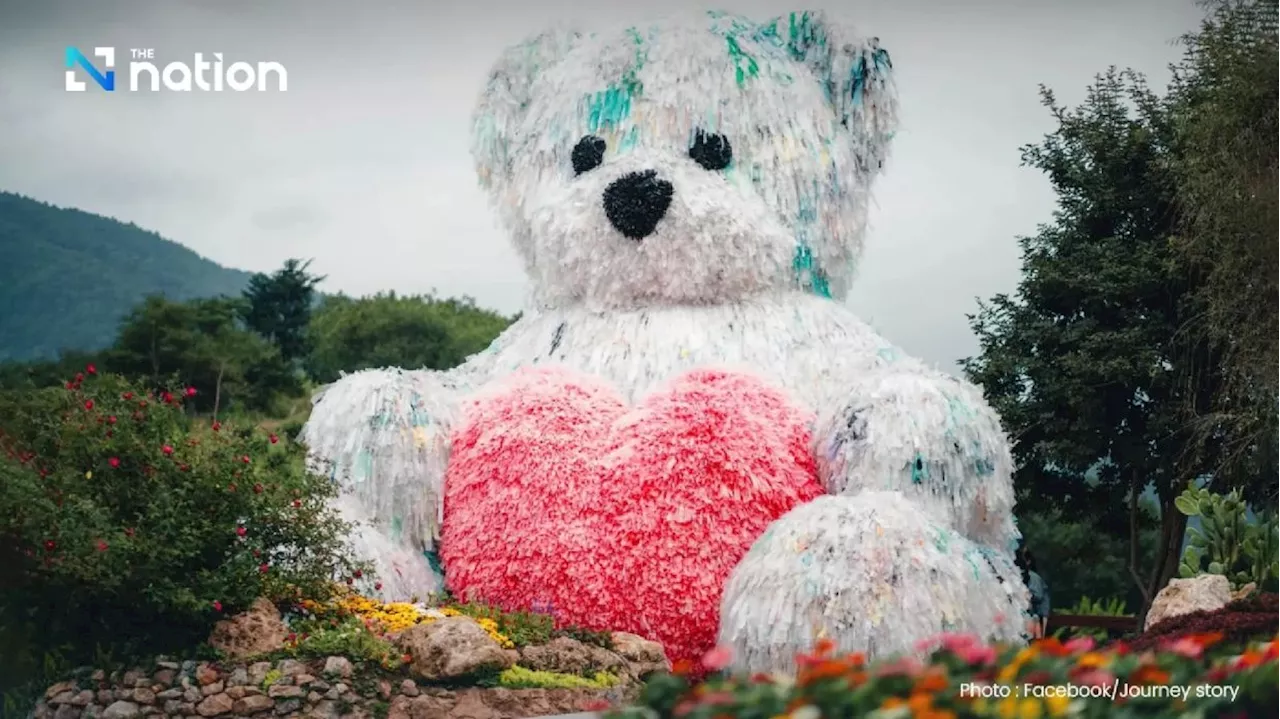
67, 277
389, 330
519, 677
1224, 108
125, 526
527, 628
279, 308
1113, 607
1082, 362
347, 637
1226, 542
1079, 560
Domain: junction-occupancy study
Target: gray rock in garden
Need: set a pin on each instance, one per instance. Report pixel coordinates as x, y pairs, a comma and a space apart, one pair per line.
121, 710
451, 648
1206, 592
338, 667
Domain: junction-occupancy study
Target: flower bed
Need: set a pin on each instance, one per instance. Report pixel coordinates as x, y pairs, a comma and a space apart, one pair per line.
964, 678
1237, 622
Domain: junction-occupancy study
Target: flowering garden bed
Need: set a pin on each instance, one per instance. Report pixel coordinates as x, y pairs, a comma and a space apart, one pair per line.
1194, 676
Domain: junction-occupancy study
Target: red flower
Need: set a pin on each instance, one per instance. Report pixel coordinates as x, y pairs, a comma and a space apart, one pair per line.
241, 531
50, 545
183, 467
595, 705
71, 385
349, 581
358, 574
245, 459
102, 546
407, 659
377, 586
79, 377
216, 425
111, 419
114, 462
167, 449
256, 553
191, 391
127, 396
263, 567
231, 487
91, 369
257, 489
109, 434
291, 637
217, 606
273, 438
129, 531
143, 403
167, 397
88, 404
297, 503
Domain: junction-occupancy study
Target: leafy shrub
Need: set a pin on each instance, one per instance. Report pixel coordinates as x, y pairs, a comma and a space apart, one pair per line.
519, 677
526, 628
123, 525
1033, 679
1087, 607
1238, 622
1227, 543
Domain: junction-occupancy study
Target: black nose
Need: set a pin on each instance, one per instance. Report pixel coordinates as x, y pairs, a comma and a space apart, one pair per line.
634, 203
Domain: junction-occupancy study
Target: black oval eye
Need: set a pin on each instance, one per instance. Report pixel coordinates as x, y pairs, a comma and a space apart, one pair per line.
711, 151
587, 154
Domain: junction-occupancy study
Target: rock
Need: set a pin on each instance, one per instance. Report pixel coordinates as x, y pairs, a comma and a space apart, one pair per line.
570, 656
105, 696
236, 692
320, 685
63, 698
172, 706
384, 689
164, 676
337, 667
257, 631
206, 674
253, 704
644, 656
284, 691
1205, 592
191, 694
288, 706
83, 699
258, 671
211, 689
168, 665
1244, 591
144, 696
238, 677
215, 705
132, 677
328, 710
67, 711
409, 688
59, 688
98, 675
451, 648
168, 694
291, 668
121, 710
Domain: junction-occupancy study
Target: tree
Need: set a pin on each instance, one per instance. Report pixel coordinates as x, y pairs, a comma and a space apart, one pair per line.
279, 307
1225, 120
1082, 361
388, 330
202, 342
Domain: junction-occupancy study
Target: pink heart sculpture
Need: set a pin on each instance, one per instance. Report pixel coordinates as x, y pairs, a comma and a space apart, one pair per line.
558, 494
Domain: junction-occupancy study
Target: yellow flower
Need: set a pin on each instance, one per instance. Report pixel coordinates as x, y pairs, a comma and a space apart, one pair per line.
1092, 660
1007, 708
1030, 709
1057, 705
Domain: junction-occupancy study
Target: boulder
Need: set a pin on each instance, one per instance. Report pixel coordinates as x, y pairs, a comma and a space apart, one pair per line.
570, 656
257, 631
1205, 592
451, 648
645, 657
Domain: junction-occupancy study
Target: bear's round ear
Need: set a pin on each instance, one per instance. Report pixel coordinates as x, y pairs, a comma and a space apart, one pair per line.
502, 106
857, 75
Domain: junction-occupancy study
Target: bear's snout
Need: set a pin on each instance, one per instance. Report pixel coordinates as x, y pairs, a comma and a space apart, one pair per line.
634, 203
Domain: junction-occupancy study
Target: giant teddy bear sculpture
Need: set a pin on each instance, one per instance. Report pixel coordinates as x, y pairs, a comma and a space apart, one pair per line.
687, 435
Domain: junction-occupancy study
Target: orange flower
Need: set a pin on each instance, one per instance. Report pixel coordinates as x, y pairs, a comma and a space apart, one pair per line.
829, 669
682, 667
1249, 659
1149, 674
1052, 647
823, 647
893, 703
919, 703
933, 680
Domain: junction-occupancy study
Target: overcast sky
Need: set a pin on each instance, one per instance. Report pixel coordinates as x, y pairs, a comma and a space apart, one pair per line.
363, 164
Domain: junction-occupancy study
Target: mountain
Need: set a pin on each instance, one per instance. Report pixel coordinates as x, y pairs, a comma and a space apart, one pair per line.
68, 277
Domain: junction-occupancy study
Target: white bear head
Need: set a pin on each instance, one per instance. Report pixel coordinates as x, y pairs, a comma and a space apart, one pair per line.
698, 160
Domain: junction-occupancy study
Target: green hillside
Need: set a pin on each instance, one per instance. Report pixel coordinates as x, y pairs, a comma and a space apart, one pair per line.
67, 277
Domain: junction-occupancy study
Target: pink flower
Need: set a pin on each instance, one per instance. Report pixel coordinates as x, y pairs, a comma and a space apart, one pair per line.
245, 459
977, 654
217, 606
102, 546
88, 404
1080, 645
191, 391
114, 462
241, 531
167, 449
91, 369
1095, 677
718, 658
1186, 647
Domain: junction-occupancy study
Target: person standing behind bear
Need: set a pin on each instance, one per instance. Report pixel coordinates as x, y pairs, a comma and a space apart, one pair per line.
1039, 589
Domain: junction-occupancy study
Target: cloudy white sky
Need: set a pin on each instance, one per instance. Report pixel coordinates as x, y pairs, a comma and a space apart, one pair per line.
363, 163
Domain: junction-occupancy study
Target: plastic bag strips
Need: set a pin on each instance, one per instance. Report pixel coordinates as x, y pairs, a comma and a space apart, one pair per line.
382, 435
867, 572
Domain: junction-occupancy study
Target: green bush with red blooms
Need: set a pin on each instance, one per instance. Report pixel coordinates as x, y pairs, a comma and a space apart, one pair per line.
1049, 678
128, 526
